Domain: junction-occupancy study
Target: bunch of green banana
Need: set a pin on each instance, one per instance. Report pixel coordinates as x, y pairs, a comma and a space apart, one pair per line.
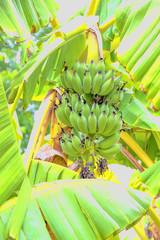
63, 111
94, 119
107, 147
76, 144
110, 151
90, 79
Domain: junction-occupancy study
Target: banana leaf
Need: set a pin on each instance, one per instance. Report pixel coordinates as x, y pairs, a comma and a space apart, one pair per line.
78, 209
135, 114
12, 171
21, 18
42, 171
41, 66
139, 49
151, 178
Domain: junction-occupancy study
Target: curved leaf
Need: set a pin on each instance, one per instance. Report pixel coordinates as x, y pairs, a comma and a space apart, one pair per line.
48, 63
25, 17
139, 50
42, 171
151, 177
79, 209
12, 171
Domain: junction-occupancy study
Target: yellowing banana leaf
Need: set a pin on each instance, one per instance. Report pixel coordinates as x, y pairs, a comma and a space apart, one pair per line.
151, 177
139, 49
12, 171
79, 209
21, 18
48, 64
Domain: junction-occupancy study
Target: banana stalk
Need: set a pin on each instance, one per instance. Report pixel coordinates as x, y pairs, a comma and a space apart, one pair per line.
136, 148
37, 129
14, 105
93, 7
154, 217
140, 233
93, 50
107, 24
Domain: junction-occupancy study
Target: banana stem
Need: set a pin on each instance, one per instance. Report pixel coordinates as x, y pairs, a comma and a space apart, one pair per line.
107, 24
93, 7
140, 233
154, 217
93, 49
36, 132
136, 148
14, 105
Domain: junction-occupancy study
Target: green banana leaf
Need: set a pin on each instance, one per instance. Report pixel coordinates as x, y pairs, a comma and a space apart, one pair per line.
77, 209
21, 18
105, 10
41, 66
42, 171
151, 178
12, 171
135, 114
139, 49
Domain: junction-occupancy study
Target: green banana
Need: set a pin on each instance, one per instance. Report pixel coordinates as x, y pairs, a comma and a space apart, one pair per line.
110, 123
101, 66
97, 82
117, 81
112, 109
87, 143
109, 74
67, 111
116, 97
92, 123
66, 137
109, 152
108, 141
73, 120
76, 142
79, 104
76, 83
92, 69
68, 148
82, 124
62, 116
74, 100
105, 107
87, 82
95, 109
67, 96
85, 110
102, 121
106, 87
75, 132
76, 66
62, 80
68, 78
81, 70
117, 127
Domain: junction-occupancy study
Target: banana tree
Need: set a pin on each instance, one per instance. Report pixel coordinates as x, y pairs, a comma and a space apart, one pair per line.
89, 202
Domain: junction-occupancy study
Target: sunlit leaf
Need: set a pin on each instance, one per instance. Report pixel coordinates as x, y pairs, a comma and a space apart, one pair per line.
70, 207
